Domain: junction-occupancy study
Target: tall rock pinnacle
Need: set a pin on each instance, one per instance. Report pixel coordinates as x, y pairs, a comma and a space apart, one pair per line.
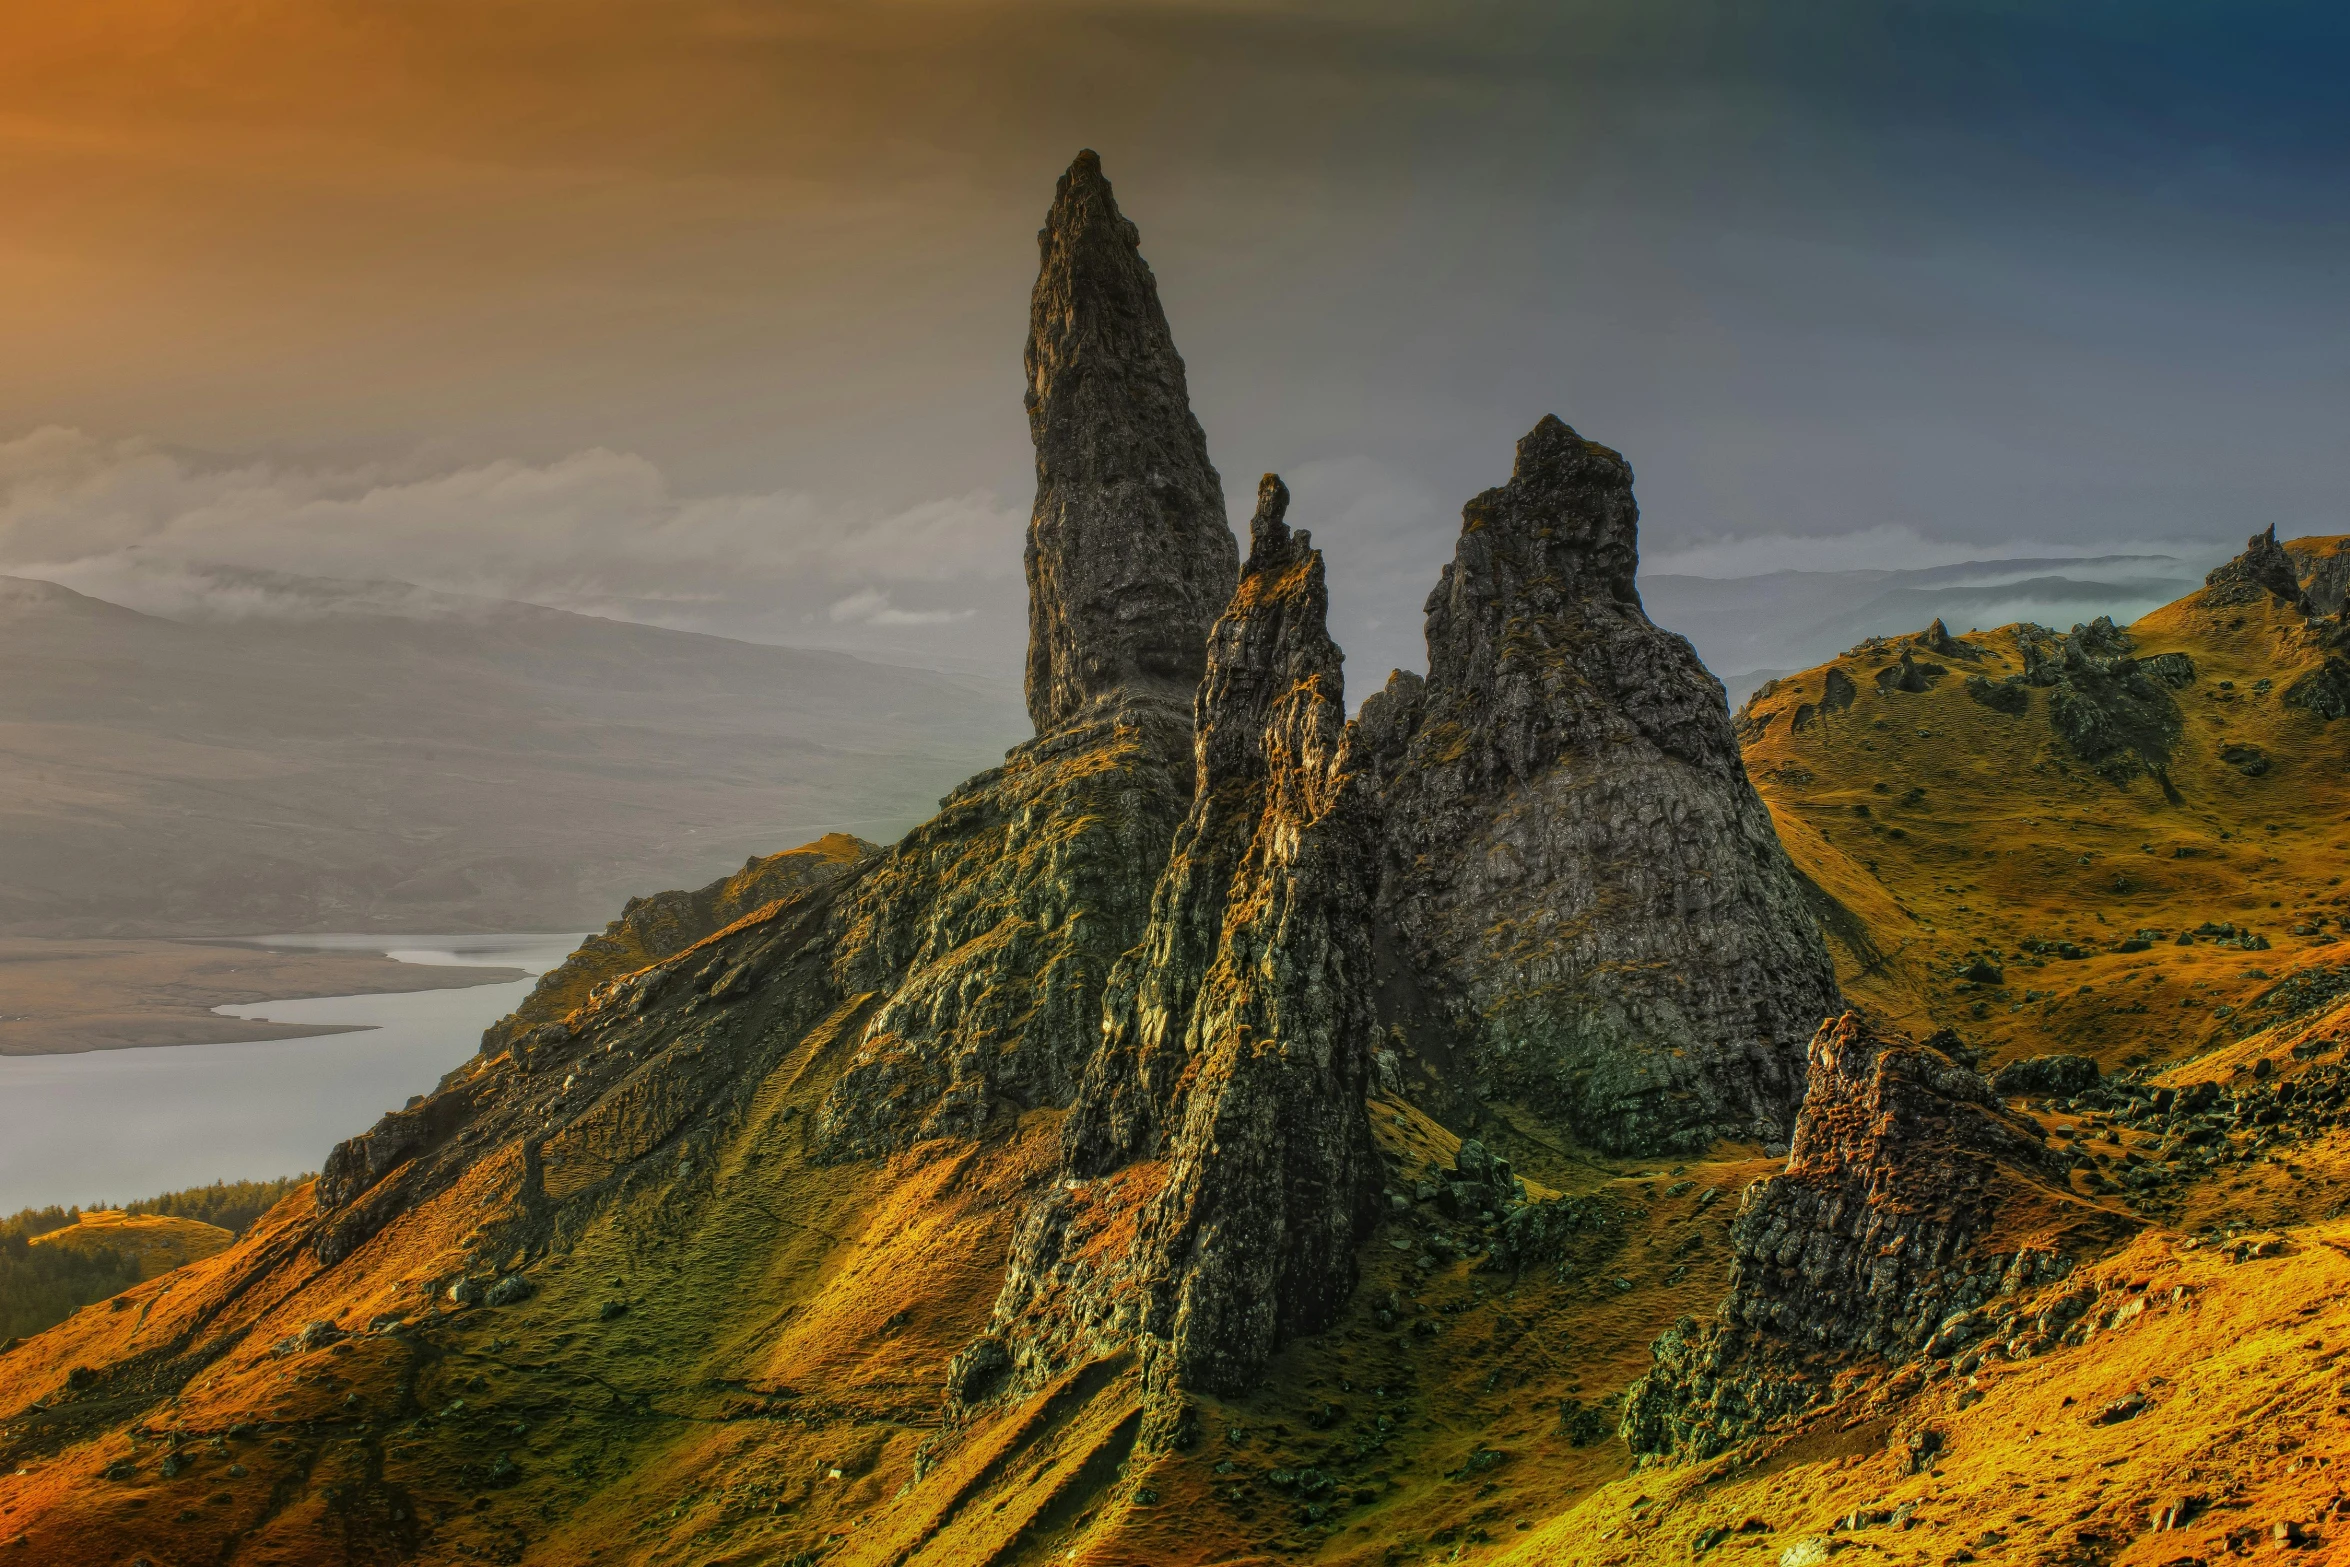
1130, 557
1580, 869
1219, 1161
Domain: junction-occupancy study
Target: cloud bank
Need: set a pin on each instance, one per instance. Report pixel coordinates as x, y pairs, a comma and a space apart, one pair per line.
596, 531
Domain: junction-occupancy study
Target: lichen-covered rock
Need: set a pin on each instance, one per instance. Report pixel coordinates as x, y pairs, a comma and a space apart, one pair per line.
1585, 883
1910, 1194
1219, 1161
2324, 690
1130, 556
2113, 711
2264, 570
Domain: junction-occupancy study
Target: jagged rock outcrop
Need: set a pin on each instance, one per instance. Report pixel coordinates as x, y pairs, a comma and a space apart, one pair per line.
1911, 1194
2263, 570
1907, 674
1584, 881
1218, 1160
1130, 557
1936, 638
2114, 711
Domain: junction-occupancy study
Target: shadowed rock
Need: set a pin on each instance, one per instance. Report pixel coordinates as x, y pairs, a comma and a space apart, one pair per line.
1911, 1196
2264, 569
1585, 883
1222, 1123
1130, 557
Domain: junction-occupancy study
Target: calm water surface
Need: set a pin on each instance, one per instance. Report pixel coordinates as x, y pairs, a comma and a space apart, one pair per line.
115, 1125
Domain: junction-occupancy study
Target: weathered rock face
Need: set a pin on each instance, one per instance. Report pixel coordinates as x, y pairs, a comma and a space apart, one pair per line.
2323, 567
986, 937
1581, 874
2263, 570
1130, 558
1218, 1161
1911, 1195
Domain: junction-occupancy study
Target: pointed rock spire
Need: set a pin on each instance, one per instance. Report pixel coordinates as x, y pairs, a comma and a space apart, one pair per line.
1563, 798
1130, 556
2264, 567
1220, 1135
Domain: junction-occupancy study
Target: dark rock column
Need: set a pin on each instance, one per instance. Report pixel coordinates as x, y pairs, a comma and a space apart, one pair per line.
1130, 556
1581, 872
1219, 1161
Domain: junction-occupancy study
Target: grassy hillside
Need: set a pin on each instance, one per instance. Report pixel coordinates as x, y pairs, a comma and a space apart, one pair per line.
473, 765
740, 1357
1980, 873
54, 1261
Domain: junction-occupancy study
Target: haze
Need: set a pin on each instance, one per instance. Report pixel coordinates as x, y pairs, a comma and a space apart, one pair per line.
708, 314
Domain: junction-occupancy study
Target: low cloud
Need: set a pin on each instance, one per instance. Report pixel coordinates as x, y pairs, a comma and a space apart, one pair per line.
597, 531
1893, 548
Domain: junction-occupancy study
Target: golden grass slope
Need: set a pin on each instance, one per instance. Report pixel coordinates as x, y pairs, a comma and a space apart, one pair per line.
159, 1241
743, 1363
1944, 830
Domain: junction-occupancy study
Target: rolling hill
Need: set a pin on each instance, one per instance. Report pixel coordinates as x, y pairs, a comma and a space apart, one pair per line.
403, 761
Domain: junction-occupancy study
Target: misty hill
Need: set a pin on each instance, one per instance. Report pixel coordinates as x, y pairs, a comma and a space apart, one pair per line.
401, 760
1749, 629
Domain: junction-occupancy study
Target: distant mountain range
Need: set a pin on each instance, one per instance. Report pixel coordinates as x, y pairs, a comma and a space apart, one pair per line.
1752, 629
374, 756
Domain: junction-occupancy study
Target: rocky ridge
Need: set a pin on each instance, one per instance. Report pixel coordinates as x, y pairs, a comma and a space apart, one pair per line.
1218, 1162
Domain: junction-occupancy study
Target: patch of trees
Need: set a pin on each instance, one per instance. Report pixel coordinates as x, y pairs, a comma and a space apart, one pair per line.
40, 1286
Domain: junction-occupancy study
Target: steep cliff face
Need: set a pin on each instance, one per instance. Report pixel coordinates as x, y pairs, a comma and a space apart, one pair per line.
1911, 1196
1130, 558
1218, 1160
1583, 876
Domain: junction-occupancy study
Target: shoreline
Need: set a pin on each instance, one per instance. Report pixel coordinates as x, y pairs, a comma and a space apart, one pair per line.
71, 996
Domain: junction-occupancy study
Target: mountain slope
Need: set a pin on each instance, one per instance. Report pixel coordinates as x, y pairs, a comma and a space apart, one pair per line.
2121, 863
1228, 1134
465, 764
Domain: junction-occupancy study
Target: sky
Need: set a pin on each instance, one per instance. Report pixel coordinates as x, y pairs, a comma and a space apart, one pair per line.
709, 312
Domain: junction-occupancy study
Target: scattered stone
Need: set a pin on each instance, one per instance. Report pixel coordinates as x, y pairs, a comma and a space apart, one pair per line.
2246, 759
314, 1336
511, 1290
2046, 1077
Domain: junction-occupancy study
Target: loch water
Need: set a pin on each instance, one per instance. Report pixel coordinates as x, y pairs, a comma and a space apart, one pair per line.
109, 1126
